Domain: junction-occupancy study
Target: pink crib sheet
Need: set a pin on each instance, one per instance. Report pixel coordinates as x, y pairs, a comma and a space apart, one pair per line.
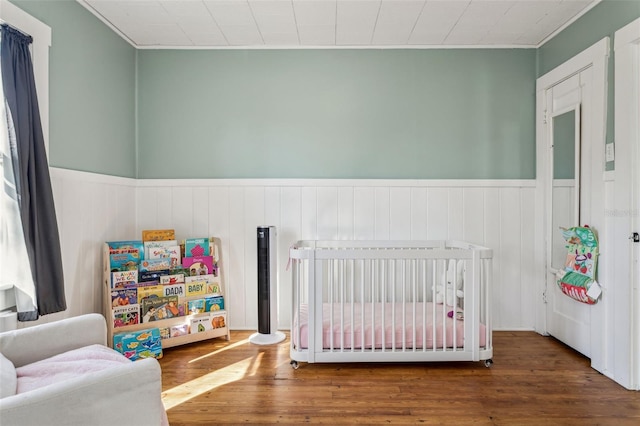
384, 313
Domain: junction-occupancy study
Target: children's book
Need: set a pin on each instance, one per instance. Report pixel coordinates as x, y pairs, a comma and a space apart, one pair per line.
218, 319
170, 252
214, 303
195, 306
159, 308
196, 288
126, 315
172, 279
179, 330
202, 265
126, 245
152, 275
125, 296
150, 291
200, 324
158, 235
124, 279
139, 344
197, 247
165, 332
128, 261
155, 265
174, 290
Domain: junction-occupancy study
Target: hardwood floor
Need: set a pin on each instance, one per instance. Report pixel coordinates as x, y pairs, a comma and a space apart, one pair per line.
534, 380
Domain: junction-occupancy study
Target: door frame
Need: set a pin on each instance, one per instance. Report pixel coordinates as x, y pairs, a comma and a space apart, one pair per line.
595, 58
625, 365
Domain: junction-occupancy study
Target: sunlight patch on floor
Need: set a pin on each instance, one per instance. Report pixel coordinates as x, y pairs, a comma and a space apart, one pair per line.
226, 348
193, 388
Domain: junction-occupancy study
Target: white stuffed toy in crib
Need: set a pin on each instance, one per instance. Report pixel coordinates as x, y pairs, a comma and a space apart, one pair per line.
452, 281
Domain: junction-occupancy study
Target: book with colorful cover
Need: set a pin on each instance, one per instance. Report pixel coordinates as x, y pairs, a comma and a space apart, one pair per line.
155, 265
139, 344
145, 292
197, 247
124, 245
213, 303
165, 332
158, 234
200, 324
218, 319
157, 248
174, 290
125, 296
211, 285
126, 315
179, 330
195, 306
172, 279
196, 288
127, 261
124, 279
151, 276
171, 252
159, 308
199, 265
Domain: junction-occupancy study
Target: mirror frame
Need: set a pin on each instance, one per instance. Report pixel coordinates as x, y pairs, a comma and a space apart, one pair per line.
576, 178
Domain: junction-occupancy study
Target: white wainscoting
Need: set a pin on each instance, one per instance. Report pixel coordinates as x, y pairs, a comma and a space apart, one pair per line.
91, 209
498, 214
94, 208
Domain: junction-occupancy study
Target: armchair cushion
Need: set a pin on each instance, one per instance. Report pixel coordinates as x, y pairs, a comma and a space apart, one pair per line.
67, 365
8, 377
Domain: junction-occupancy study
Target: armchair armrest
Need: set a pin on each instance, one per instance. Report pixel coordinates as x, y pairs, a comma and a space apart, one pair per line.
126, 394
31, 344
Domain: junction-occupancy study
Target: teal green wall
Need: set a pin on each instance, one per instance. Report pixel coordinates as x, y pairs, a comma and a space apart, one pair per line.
91, 88
457, 113
601, 21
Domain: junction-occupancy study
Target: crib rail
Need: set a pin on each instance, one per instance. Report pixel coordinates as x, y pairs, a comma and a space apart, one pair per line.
376, 301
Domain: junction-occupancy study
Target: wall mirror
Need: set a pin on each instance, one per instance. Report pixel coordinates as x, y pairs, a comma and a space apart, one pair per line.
565, 182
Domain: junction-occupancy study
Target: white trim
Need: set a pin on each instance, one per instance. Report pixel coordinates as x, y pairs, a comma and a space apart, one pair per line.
627, 35
41, 34
461, 183
582, 60
609, 176
341, 47
107, 22
626, 273
293, 182
90, 177
568, 23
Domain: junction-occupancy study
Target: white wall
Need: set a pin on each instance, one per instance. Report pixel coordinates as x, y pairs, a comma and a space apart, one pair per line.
95, 208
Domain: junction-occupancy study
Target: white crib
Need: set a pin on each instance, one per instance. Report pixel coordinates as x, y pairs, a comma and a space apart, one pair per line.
390, 301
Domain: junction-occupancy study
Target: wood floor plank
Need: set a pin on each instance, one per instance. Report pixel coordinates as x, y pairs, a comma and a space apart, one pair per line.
534, 380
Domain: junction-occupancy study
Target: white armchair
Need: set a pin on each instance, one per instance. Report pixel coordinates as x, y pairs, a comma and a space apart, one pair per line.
107, 389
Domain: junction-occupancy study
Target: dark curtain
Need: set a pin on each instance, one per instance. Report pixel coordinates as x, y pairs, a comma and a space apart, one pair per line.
31, 169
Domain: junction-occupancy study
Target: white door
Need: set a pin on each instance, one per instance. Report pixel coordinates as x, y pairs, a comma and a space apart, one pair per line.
567, 319
571, 101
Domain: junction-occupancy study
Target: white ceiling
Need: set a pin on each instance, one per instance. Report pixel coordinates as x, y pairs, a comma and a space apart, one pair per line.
336, 23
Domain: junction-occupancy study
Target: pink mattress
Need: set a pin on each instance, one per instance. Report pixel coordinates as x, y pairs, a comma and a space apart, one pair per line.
444, 327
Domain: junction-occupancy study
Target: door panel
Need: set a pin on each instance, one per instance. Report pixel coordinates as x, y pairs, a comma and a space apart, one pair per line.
567, 319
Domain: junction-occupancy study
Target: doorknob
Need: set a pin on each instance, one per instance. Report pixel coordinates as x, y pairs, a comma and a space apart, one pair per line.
635, 237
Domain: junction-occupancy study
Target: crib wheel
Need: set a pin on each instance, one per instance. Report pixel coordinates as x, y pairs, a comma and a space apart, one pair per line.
488, 362
294, 365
